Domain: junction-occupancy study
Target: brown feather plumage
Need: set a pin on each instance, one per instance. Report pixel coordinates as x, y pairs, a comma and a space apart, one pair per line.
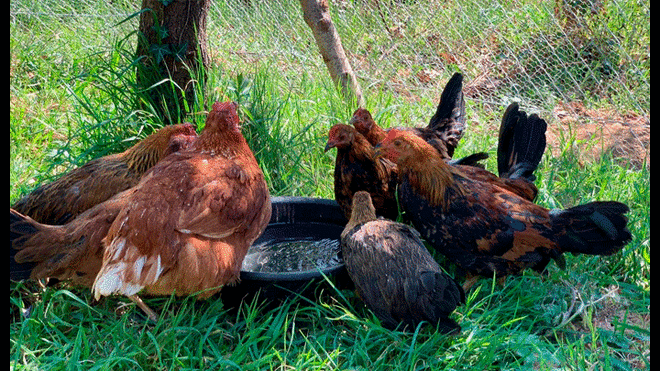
191, 219
486, 228
357, 169
80, 189
394, 273
70, 252
184, 228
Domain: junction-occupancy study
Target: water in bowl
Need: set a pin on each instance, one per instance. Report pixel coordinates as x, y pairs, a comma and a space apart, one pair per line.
292, 255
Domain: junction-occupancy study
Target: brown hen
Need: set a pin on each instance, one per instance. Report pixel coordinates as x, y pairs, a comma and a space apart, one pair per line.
487, 229
76, 191
395, 274
184, 228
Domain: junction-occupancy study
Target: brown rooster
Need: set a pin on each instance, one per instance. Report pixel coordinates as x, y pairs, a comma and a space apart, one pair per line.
98, 180
184, 228
443, 131
357, 169
394, 273
487, 229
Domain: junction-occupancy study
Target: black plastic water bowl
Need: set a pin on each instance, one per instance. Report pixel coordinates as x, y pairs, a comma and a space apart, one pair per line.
287, 268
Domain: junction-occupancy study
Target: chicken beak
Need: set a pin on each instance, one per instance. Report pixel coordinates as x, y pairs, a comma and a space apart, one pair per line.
329, 145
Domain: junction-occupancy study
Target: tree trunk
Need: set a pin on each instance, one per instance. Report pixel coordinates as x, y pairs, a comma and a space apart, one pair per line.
317, 17
173, 56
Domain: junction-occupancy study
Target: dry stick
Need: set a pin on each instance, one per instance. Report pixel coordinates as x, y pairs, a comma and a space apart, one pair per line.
317, 17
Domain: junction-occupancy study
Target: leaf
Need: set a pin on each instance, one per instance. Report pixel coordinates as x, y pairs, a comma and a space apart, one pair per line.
161, 31
159, 51
179, 50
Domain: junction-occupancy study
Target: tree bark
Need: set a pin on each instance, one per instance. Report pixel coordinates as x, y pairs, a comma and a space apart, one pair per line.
172, 45
317, 17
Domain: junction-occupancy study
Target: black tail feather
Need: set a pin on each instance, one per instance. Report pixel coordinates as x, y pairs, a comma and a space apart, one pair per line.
596, 228
521, 144
452, 104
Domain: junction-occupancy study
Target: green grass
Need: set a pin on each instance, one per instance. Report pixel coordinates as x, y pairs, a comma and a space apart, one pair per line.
72, 99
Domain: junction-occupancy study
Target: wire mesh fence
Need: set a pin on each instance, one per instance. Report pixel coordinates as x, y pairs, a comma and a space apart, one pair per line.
542, 51
585, 64
539, 50
587, 60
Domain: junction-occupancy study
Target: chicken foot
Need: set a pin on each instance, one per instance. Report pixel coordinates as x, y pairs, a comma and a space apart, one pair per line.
148, 311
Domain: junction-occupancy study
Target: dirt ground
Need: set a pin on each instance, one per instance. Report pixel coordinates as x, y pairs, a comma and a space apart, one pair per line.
597, 131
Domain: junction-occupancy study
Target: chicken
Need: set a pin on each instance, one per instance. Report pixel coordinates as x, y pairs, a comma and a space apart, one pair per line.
84, 235
184, 228
394, 273
521, 144
443, 131
487, 229
98, 180
356, 169
365, 125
